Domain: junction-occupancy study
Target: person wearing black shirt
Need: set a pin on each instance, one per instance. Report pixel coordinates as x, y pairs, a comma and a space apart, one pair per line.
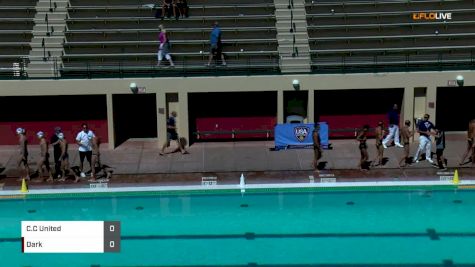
393, 117
172, 134
54, 141
425, 128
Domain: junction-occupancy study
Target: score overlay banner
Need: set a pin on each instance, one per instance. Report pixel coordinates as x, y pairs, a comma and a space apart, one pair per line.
70, 236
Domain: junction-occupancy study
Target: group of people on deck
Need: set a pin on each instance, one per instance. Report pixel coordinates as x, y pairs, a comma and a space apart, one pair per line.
425, 128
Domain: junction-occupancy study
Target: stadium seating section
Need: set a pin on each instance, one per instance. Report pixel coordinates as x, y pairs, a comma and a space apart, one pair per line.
360, 34
106, 33
16, 25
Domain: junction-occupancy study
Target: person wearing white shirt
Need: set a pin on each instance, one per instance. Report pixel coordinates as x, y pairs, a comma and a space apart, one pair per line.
84, 141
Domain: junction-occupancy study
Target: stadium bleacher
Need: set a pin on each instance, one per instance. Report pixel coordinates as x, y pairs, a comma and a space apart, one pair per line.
360, 34
16, 25
104, 34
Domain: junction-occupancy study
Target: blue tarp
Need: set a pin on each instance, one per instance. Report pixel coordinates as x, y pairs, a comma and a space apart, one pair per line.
298, 135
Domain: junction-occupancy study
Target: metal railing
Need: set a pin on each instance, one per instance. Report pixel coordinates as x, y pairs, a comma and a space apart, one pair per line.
449, 60
86, 68
21, 67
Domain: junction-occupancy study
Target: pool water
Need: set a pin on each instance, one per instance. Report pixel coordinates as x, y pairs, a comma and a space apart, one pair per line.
409, 228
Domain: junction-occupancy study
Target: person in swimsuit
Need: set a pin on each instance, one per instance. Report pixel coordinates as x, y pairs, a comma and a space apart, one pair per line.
470, 142
317, 149
406, 134
379, 134
22, 161
440, 146
361, 138
96, 161
43, 160
65, 159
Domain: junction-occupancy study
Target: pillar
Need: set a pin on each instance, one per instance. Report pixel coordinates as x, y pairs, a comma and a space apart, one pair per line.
311, 106
431, 99
161, 117
280, 107
110, 121
183, 125
407, 108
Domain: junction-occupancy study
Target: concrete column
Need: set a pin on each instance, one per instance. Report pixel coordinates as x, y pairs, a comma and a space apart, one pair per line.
183, 125
161, 117
431, 98
110, 121
280, 106
311, 106
407, 107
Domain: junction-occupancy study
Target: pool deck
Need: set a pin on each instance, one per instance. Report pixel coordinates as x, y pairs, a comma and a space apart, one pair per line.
136, 163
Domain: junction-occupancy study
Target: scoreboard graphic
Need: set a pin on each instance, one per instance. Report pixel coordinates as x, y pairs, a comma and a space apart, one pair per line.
70, 236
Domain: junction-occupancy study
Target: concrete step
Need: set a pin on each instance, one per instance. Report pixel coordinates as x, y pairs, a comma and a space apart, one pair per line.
288, 17
298, 42
283, 13
46, 6
48, 40
42, 27
289, 35
54, 52
42, 34
301, 25
289, 49
296, 59
296, 29
285, 5
47, 45
55, 16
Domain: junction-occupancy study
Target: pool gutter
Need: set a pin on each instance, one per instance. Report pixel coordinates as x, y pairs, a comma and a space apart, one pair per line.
248, 188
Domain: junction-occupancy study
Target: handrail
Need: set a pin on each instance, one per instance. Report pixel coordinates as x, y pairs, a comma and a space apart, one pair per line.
231, 53
171, 29
321, 51
28, 19
27, 8
15, 31
361, 2
175, 41
14, 43
385, 13
146, 7
188, 19
334, 38
399, 24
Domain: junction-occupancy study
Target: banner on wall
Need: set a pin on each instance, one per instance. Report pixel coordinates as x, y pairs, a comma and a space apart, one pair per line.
290, 135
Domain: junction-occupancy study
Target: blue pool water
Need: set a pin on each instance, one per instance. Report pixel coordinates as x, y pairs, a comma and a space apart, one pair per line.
407, 228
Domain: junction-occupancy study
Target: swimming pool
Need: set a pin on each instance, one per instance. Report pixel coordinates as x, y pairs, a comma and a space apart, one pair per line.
362, 228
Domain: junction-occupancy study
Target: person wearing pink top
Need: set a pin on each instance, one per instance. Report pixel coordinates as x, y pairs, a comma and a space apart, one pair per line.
164, 48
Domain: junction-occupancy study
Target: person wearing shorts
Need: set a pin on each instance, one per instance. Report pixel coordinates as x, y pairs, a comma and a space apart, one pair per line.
216, 49
164, 47
172, 134
83, 140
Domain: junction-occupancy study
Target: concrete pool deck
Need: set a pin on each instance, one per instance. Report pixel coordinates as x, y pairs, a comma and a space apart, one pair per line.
137, 163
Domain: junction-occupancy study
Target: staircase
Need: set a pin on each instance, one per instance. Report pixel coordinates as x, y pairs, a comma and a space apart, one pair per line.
292, 36
48, 37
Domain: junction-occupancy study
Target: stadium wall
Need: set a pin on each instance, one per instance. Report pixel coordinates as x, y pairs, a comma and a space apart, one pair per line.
280, 83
